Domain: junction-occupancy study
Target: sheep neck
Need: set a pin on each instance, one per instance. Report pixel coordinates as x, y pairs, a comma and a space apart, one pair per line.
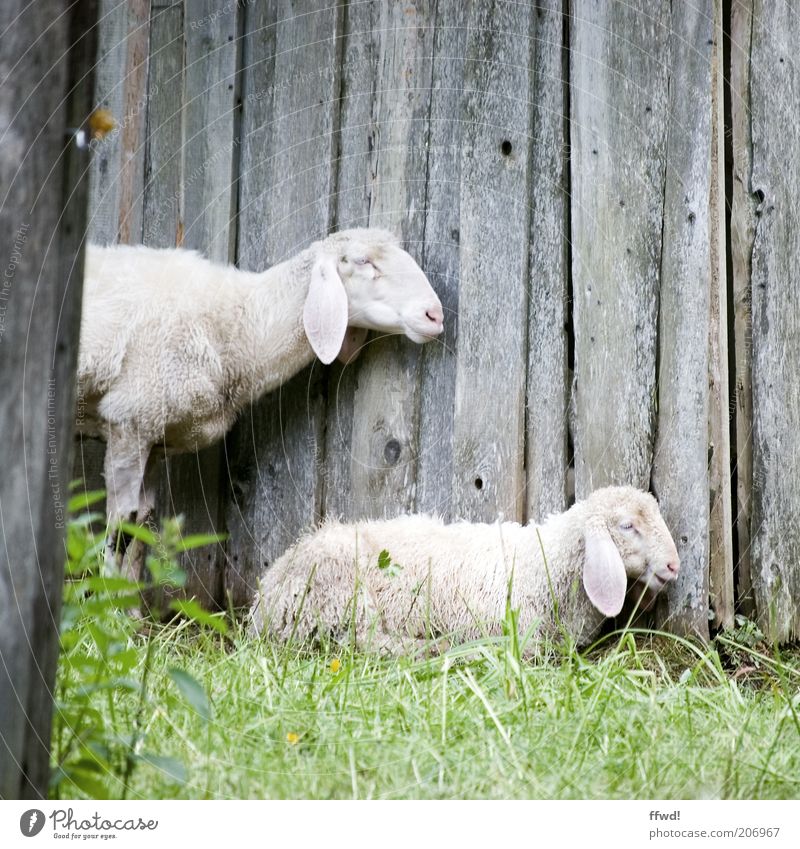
562, 537
273, 341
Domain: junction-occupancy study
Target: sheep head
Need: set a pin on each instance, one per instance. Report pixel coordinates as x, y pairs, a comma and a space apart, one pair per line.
363, 280
626, 541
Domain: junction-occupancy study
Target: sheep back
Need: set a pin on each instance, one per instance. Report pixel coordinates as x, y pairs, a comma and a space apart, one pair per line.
442, 580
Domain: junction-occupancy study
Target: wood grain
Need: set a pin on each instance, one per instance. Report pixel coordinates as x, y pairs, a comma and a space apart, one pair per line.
547, 404
742, 227
775, 280
619, 67
680, 465
489, 476
163, 179
43, 215
120, 87
720, 536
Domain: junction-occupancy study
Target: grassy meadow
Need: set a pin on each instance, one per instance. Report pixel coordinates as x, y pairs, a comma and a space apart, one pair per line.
641, 718
194, 708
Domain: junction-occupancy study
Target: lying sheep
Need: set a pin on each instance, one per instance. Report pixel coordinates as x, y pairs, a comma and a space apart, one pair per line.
173, 346
389, 584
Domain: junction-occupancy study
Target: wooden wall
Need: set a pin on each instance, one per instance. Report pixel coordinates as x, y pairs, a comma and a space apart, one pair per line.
43, 171
560, 170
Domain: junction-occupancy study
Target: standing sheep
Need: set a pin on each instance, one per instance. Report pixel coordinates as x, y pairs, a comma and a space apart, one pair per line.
453, 580
173, 346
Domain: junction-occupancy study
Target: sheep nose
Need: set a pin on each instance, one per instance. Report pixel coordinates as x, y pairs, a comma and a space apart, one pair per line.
674, 568
436, 315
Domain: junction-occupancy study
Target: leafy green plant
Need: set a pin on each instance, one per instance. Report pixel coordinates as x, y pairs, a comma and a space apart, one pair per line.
104, 694
387, 565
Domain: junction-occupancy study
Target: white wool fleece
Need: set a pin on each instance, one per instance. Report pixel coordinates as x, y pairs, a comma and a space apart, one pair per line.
453, 580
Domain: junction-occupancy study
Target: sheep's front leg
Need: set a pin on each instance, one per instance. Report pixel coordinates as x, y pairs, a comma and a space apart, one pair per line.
134, 557
147, 493
125, 465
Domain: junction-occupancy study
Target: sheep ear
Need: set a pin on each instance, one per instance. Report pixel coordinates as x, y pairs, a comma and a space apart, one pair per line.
325, 310
352, 344
604, 576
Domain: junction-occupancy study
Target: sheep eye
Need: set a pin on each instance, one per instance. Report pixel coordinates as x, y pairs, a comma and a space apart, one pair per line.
626, 526
361, 260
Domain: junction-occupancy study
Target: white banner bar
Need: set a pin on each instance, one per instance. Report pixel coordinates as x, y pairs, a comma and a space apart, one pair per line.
403, 824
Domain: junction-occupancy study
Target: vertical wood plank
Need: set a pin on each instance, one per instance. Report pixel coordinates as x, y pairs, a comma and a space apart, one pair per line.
680, 466
202, 170
120, 87
163, 190
132, 130
720, 565
547, 390
743, 222
441, 259
373, 446
109, 94
489, 475
619, 105
775, 275
290, 107
52, 50
210, 145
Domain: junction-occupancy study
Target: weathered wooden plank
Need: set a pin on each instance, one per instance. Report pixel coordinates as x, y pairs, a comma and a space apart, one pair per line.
210, 146
619, 107
355, 142
201, 170
775, 275
121, 85
290, 107
372, 455
163, 190
489, 476
441, 260
43, 214
547, 389
743, 222
680, 465
720, 537
109, 94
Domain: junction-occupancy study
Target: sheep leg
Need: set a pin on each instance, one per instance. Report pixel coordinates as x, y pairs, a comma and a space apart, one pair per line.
147, 493
133, 557
124, 473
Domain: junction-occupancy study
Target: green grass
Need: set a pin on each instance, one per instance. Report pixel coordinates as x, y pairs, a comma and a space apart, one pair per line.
639, 719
